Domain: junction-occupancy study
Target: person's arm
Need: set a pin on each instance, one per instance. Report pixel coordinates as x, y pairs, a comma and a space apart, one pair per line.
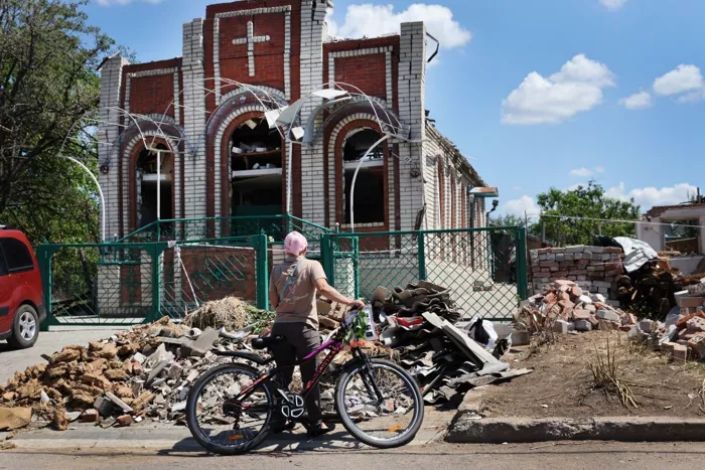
329, 291
273, 299
273, 296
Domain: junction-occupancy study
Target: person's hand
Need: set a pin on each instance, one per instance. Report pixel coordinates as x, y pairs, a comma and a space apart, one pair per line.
357, 305
265, 332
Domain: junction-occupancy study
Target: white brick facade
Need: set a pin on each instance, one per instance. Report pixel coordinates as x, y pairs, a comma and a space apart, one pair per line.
204, 112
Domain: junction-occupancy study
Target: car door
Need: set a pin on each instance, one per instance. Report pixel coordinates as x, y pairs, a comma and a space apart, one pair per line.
5, 295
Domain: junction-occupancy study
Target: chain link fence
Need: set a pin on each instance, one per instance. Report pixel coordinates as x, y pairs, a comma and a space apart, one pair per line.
173, 272
485, 269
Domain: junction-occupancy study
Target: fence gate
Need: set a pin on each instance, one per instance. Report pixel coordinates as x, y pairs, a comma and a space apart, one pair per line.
130, 283
484, 268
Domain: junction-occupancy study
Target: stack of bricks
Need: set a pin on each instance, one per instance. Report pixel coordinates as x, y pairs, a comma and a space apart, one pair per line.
593, 268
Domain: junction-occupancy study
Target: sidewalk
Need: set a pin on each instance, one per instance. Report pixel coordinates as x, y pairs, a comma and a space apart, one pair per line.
149, 435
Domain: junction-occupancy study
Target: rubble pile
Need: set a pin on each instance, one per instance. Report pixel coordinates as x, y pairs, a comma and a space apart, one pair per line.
230, 312
142, 372
682, 334
651, 289
564, 306
446, 355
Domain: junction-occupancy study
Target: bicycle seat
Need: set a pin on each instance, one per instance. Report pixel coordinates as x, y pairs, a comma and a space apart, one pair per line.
264, 342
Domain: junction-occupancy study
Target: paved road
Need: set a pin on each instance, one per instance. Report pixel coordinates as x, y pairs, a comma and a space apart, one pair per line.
47, 343
554, 455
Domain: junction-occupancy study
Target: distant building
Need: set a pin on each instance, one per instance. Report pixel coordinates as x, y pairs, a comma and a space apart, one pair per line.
686, 234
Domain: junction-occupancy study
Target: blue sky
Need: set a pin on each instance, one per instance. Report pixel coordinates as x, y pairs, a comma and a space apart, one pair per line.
537, 93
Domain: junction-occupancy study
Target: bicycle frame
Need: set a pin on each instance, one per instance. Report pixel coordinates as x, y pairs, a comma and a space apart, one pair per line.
333, 345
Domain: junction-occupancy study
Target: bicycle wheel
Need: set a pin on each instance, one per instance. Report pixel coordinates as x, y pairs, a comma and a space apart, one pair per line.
379, 404
222, 420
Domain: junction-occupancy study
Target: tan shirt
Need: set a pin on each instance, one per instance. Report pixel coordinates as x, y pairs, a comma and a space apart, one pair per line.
294, 282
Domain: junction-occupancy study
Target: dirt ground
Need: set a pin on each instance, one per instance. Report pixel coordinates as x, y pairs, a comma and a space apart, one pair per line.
562, 383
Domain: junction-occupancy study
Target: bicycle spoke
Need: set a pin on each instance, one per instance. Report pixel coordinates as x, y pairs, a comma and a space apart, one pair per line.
382, 402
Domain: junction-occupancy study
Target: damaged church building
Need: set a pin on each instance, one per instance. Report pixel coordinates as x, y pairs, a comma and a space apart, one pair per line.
195, 137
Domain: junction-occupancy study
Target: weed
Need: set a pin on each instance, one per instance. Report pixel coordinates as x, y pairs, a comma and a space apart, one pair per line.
607, 376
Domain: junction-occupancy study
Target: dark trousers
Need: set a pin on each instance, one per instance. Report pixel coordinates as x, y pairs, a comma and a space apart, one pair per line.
301, 339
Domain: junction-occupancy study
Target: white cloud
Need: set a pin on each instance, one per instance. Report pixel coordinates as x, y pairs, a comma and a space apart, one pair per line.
638, 100
367, 20
581, 172
613, 4
107, 3
521, 206
686, 81
576, 88
650, 196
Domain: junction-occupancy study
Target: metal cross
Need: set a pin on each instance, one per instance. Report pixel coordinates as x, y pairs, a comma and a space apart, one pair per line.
251, 40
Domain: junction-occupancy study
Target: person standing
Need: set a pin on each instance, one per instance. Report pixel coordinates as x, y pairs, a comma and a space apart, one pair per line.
293, 287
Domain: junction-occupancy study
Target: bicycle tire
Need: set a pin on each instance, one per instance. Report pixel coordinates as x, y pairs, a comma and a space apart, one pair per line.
408, 434
192, 410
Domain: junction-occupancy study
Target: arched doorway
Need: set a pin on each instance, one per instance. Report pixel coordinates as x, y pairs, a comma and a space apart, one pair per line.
370, 186
155, 185
256, 169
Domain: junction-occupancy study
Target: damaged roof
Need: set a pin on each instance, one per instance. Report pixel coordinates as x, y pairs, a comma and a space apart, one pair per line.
456, 156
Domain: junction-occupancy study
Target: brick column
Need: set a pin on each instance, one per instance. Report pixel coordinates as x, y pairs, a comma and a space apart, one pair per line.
313, 14
412, 89
108, 133
194, 121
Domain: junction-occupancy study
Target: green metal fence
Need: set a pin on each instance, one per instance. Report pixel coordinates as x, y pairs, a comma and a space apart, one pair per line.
484, 268
171, 271
129, 283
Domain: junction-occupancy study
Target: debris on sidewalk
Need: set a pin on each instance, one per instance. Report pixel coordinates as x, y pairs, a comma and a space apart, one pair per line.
564, 307
14, 418
143, 372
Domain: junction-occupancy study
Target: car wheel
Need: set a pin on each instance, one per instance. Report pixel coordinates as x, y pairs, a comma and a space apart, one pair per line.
25, 329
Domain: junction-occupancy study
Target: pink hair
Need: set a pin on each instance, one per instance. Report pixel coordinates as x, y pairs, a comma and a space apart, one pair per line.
295, 244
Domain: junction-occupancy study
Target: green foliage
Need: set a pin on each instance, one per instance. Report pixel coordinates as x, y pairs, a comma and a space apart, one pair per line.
48, 72
508, 220
584, 202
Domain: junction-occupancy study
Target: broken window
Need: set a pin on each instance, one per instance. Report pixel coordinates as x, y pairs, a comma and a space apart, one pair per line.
256, 164
369, 188
154, 180
683, 236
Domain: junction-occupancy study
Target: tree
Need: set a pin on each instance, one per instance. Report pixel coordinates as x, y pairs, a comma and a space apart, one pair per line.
576, 216
49, 87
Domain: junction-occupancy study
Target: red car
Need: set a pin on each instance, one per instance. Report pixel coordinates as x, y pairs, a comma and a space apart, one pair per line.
21, 299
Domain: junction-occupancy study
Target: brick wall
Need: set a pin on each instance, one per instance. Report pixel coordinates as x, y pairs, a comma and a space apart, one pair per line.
593, 268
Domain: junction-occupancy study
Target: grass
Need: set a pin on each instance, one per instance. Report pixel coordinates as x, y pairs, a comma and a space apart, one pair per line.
607, 376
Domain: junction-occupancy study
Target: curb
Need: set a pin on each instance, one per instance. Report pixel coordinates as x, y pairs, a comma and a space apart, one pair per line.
469, 429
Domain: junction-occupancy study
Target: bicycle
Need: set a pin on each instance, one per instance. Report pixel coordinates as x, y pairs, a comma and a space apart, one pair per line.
231, 406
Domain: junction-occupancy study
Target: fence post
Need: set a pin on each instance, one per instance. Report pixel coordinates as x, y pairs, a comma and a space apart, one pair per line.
155, 250
328, 258
262, 276
421, 245
356, 266
45, 253
521, 264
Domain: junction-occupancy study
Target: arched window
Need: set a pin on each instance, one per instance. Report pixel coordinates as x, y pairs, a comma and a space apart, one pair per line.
369, 188
155, 182
256, 165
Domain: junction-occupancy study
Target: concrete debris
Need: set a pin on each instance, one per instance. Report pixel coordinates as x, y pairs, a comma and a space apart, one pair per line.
14, 418
134, 373
446, 355
682, 335
564, 307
